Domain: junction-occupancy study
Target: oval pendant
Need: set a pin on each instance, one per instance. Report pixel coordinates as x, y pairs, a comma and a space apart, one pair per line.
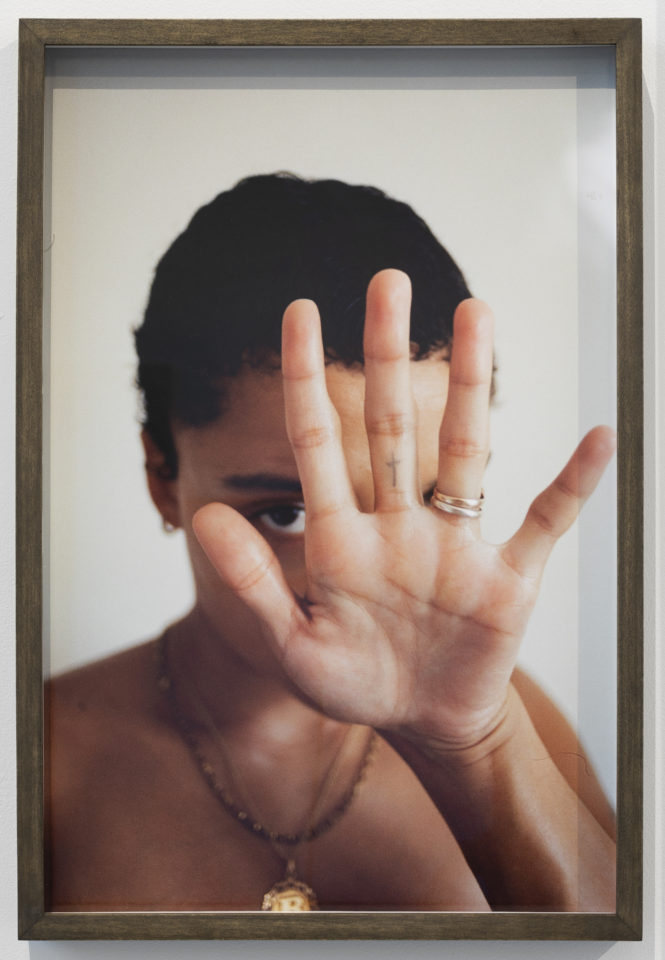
290, 895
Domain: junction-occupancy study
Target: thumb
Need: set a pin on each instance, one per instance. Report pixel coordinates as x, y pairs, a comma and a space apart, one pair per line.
248, 566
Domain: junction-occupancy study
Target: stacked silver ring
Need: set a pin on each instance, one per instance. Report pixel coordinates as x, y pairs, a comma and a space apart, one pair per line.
469, 507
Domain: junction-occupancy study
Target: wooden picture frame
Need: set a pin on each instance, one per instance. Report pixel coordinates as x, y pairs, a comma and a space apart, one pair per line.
37, 37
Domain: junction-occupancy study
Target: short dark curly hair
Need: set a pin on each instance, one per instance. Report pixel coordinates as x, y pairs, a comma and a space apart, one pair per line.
220, 290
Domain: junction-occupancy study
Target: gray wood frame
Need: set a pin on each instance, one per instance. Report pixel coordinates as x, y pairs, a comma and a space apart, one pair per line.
35, 922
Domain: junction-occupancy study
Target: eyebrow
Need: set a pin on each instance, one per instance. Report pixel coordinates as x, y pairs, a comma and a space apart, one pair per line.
263, 481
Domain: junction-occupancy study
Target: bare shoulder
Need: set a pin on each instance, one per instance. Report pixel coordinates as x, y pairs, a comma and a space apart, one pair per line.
563, 746
93, 702
102, 708
107, 683
108, 742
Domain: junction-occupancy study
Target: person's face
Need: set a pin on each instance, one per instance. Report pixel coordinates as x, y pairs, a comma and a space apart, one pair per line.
244, 459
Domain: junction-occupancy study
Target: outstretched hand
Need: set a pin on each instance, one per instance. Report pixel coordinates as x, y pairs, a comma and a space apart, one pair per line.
410, 622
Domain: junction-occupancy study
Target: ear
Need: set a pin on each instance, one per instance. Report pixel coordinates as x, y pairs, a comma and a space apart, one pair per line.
162, 487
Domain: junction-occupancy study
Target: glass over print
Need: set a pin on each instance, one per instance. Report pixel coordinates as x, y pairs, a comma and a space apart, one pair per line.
363, 676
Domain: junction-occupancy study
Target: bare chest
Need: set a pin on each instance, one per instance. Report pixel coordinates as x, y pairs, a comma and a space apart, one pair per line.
154, 837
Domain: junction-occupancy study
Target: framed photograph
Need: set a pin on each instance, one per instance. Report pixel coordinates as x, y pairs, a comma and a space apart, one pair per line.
385, 728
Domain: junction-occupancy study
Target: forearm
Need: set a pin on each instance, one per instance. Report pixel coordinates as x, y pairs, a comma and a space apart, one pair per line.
529, 839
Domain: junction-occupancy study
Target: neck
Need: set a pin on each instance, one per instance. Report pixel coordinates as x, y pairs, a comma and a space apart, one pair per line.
255, 732
248, 701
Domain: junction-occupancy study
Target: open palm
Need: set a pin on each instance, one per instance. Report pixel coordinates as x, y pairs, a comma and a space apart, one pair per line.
410, 621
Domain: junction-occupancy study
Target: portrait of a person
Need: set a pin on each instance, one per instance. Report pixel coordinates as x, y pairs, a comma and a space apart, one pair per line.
339, 722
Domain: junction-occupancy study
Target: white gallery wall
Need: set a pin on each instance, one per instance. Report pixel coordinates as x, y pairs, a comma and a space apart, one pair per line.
148, 224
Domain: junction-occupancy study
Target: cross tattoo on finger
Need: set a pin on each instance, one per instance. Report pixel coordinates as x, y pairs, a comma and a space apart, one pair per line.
393, 466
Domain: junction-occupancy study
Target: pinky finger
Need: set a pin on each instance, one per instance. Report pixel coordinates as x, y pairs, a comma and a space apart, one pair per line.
247, 565
556, 508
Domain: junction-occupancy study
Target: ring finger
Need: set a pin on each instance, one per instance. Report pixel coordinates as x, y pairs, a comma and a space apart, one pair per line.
464, 434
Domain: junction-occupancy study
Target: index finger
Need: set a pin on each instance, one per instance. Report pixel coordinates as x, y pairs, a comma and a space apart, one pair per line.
312, 423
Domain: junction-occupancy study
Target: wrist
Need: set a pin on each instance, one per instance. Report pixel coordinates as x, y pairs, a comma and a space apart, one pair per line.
469, 744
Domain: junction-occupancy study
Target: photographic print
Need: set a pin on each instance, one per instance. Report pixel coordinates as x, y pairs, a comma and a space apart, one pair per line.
316, 297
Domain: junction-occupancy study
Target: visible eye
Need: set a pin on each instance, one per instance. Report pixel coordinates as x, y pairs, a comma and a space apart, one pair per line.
284, 518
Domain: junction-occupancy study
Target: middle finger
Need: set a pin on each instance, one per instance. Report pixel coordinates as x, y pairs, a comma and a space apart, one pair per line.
390, 412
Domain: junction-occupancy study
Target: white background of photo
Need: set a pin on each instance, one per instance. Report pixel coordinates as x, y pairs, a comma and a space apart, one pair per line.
508, 155
652, 947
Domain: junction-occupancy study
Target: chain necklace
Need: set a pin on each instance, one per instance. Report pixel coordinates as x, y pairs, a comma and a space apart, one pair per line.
289, 894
